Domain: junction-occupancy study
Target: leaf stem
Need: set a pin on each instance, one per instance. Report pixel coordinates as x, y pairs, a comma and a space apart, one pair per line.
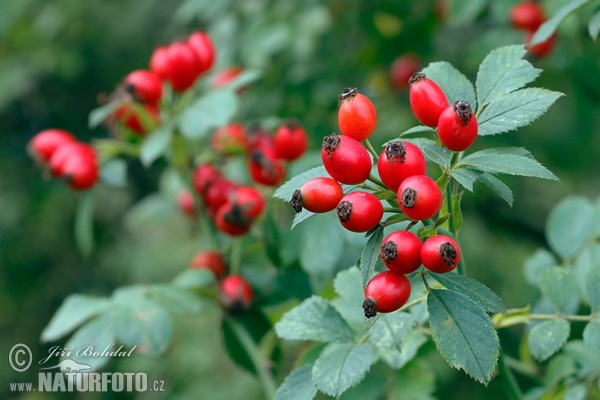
392, 210
256, 358
235, 257
376, 180
371, 149
510, 383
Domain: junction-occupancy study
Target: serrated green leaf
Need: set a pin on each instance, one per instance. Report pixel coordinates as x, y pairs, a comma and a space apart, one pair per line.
297, 385
314, 319
411, 343
594, 25
389, 330
466, 177
534, 265
416, 129
502, 71
370, 255
455, 85
348, 285
463, 333
549, 27
285, 191
559, 368
593, 288
507, 160
341, 366
547, 338
95, 336
301, 217
432, 151
145, 324
84, 224
155, 145
498, 187
208, 112
113, 172
591, 336
100, 114
560, 287
473, 289
570, 225
514, 110
75, 310
194, 278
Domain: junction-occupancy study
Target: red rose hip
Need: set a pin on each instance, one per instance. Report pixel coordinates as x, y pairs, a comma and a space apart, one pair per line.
357, 117
398, 161
43, 145
318, 195
145, 86
235, 293
527, 15
386, 292
402, 69
290, 141
427, 100
419, 197
457, 126
401, 252
211, 260
345, 159
359, 211
440, 254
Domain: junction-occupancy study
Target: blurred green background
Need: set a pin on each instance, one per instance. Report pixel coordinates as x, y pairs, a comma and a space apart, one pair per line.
58, 57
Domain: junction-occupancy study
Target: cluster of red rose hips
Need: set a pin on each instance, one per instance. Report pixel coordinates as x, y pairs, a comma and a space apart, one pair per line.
402, 170
235, 293
528, 16
59, 152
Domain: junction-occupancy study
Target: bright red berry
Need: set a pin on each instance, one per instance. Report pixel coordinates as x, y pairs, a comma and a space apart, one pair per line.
427, 100
159, 62
183, 66
401, 252
290, 141
145, 86
250, 200
265, 168
204, 176
386, 292
318, 195
140, 118
457, 126
541, 49
419, 197
527, 15
186, 203
359, 211
398, 161
232, 219
403, 68
440, 254
218, 193
203, 46
211, 260
345, 159
226, 76
235, 293
66, 151
81, 171
357, 117
43, 145
230, 139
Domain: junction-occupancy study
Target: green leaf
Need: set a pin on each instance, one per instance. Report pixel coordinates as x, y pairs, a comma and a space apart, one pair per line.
507, 160
301, 217
416, 382
348, 285
431, 151
208, 112
285, 191
341, 366
473, 289
560, 287
194, 278
502, 71
389, 329
534, 265
461, 12
100, 114
314, 319
114, 172
244, 79
593, 288
514, 110
570, 225
94, 336
498, 187
155, 145
463, 333
466, 177
370, 255
549, 27
417, 129
594, 25
297, 385
591, 336
175, 300
547, 338
84, 224
75, 310
455, 85
145, 324
411, 343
